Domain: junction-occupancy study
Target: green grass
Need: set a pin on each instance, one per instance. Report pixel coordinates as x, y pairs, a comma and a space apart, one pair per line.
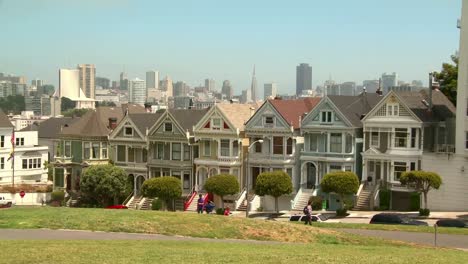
129, 251
421, 229
167, 223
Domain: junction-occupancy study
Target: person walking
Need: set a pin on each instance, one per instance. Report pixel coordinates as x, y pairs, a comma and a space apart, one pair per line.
200, 204
308, 213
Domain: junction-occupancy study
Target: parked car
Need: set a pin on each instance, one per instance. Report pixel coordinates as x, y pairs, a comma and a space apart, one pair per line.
315, 218
451, 223
395, 219
118, 206
5, 203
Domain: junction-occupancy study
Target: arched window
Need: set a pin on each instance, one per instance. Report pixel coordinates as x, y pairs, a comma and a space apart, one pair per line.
289, 146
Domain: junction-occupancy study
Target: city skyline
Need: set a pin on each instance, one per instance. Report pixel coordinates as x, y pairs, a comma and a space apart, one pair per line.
376, 42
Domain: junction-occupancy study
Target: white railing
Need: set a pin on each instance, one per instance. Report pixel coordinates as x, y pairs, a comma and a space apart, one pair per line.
240, 199
140, 204
296, 198
358, 193
375, 200
229, 159
444, 148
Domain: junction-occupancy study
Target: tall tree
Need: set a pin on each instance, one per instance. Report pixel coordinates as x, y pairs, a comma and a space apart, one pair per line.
275, 183
447, 79
422, 181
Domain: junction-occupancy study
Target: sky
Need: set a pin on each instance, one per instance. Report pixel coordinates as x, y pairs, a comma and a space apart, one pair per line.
194, 40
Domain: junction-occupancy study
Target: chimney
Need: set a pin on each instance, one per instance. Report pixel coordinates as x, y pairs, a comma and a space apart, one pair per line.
430, 91
252, 111
112, 122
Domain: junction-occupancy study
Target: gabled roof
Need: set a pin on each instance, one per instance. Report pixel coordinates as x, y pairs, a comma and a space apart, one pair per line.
442, 107
95, 123
51, 127
4, 120
293, 111
354, 107
188, 118
145, 121
238, 114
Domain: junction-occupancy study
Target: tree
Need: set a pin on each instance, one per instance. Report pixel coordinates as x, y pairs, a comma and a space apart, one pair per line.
165, 188
13, 103
421, 181
75, 112
103, 184
447, 79
223, 184
342, 183
275, 183
67, 104
105, 103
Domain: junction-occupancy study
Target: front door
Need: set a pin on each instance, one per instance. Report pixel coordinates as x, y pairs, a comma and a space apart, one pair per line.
311, 175
255, 173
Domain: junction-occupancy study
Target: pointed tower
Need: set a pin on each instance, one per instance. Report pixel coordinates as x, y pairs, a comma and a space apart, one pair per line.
253, 86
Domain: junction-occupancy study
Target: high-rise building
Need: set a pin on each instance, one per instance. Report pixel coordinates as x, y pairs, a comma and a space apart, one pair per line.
38, 83
137, 92
253, 86
226, 90
389, 80
246, 96
102, 82
69, 86
167, 86
180, 89
152, 79
210, 85
348, 88
370, 85
303, 78
123, 81
87, 79
270, 90
114, 85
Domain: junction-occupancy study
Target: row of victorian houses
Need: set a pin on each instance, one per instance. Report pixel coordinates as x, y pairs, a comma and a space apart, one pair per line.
377, 137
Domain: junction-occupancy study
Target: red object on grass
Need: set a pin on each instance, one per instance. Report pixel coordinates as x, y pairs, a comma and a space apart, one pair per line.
22, 193
118, 206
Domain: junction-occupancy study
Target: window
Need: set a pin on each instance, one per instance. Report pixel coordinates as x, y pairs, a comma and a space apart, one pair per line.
128, 131
25, 164
121, 153
400, 137
349, 143
168, 127
159, 151
322, 143
19, 141
413, 137
67, 148
399, 168
104, 150
30, 164
186, 152
289, 146
216, 123
334, 168
39, 164
225, 147
206, 148
176, 151
277, 145
258, 145
412, 166
375, 139
144, 155
235, 148
348, 168
95, 150
313, 142
2, 141
335, 142
269, 121
326, 116
392, 109
130, 154
2, 163
86, 150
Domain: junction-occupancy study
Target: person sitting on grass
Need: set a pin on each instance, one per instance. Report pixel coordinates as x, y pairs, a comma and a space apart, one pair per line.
209, 207
227, 211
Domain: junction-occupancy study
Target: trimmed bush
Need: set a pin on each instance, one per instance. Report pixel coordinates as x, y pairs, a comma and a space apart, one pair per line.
57, 196
342, 212
275, 183
384, 198
316, 202
220, 211
156, 204
222, 184
164, 188
415, 201
342, 183
424, 212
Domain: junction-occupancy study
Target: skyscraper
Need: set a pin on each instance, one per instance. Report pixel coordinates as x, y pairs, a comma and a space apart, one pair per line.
388, 81
123, 81
370, 85
303, 78
348, 88
167, 86
137, 91
253, 86
227, 89
180, 89
152, 79
87, 79
38, 83
269, 90
210, 85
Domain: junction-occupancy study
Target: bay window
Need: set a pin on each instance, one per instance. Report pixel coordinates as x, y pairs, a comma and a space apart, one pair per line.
277, 145
289, 146
121, 153
86, 150
225, 147
176, 151
186, 152
348, 143
335, 142
399, 168
401, 137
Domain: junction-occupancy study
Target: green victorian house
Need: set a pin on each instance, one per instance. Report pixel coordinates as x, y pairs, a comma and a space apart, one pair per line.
85, 143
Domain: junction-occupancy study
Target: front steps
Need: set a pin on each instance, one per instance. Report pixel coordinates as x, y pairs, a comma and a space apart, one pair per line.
363, 202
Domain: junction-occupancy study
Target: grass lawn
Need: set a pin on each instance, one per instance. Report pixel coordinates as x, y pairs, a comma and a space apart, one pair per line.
129, 251
423, 229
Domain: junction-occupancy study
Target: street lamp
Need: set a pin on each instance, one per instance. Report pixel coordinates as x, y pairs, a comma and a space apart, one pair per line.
248, 178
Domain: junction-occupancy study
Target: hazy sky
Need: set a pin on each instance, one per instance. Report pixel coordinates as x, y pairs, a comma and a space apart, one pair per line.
194, 40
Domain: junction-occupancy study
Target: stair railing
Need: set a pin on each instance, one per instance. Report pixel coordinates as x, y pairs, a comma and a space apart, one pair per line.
374, 194
296, 198
128, 198
189, 199
356, 198
240, 198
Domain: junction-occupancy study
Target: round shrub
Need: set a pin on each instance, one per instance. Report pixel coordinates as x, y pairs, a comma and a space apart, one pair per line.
342, 183
222, 184
156, 204
164, 188
220, 211
342, 212
275, 183
57, 196
316, 202
424, 212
